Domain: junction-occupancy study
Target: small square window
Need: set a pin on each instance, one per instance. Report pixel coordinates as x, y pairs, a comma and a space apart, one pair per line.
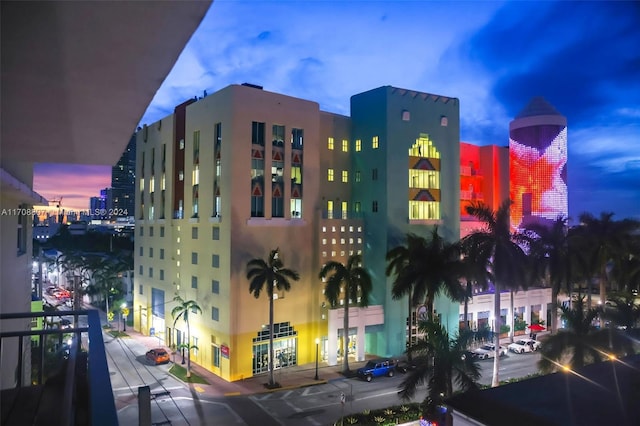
444, 121
194, 282
406, 115
215, 286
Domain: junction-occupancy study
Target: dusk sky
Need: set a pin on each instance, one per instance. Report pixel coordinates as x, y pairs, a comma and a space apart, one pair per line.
493, 56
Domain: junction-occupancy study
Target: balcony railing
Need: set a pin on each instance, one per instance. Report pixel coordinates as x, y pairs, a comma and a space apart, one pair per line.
70, 383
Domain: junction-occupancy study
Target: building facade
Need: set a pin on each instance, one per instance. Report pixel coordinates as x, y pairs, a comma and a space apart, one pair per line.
123, 180
227, 178
538, 164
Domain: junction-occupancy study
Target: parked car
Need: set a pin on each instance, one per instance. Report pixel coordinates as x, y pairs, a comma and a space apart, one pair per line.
377, 368
524, 345
158, 356
488, 350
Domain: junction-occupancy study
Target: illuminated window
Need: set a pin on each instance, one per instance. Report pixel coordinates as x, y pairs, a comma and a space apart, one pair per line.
358, 145
330, 143
195, 175
329, 209
345, 209
324, 241
345, 176
345, 145
330, 175
375, 142
181, 175
333, 241
358, 176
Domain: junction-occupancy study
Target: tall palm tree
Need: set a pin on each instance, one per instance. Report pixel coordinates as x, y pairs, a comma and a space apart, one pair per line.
499, 253
268, 275
352, 283
428, 268
440, 362
622, 311
473, 272
580, 343
550, 251
182, 310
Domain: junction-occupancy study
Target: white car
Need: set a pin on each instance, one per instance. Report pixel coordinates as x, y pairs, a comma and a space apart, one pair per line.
524, 345
488, 351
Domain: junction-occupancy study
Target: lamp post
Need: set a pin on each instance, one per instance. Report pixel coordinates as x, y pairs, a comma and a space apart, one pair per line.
317, 343
124, 321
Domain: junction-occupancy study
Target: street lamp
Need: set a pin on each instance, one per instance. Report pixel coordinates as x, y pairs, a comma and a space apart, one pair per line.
124, 321
317, 343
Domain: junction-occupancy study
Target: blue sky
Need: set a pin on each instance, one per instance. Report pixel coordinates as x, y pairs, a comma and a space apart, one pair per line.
583, 57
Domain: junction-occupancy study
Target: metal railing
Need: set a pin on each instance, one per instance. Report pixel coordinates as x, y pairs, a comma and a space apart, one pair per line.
101, 408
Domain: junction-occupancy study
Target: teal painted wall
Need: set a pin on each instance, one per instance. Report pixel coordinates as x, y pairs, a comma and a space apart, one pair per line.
378, 112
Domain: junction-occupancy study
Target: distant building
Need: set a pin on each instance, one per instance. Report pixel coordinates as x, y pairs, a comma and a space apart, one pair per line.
538, 164
123, 179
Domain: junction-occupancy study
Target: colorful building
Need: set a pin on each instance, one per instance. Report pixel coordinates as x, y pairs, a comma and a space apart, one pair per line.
538, 164
214, 193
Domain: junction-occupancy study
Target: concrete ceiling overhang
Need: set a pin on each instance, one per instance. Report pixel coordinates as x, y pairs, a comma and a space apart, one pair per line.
78, 76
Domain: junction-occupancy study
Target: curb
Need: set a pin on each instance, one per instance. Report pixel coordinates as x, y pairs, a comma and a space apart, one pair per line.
290, 387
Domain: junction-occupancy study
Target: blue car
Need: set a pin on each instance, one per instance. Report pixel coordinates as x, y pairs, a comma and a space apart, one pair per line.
377, 368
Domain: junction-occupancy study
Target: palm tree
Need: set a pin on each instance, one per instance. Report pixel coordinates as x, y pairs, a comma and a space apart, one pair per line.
182, 310
622, 311
426, 269
580, 343
473, 272
440, 362
550, 251
107, 281
351, 282
267, 275
609, 239
498, 252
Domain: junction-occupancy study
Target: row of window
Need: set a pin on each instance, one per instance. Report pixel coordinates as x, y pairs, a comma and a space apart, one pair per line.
375, 144
215, 233
342, 229
342, 241
345, 175
343, 253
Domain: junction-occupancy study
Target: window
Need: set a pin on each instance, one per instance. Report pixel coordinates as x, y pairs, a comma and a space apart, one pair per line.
140, 289
196, 147
142, 231
151, 231
358, 145
162, 231
215, 261
150, 272
194, 233
141, 251
345, 176
374, 174
181, 145
406, 115
150, 251
358, 176
330, 175
215, 233
215, 313
257, 133
345, 145
181, 175
374, 207
375, 142
357, 207
161, 253
330, 143
329, 209
215, 286
194, 258
345, 210
194, 282
161, 274
277, 134
140, 270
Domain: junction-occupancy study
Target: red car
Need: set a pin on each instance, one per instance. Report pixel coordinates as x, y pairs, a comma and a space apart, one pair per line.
158, 356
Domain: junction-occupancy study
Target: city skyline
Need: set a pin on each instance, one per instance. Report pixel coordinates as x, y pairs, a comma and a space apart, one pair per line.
495, 59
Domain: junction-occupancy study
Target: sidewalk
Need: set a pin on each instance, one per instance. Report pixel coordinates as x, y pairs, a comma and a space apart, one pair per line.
289, 378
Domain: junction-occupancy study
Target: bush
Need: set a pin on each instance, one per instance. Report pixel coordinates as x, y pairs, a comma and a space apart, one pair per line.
385, 416
504, 328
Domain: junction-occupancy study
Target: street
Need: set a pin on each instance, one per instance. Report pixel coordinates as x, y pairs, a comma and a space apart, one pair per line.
180, 404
